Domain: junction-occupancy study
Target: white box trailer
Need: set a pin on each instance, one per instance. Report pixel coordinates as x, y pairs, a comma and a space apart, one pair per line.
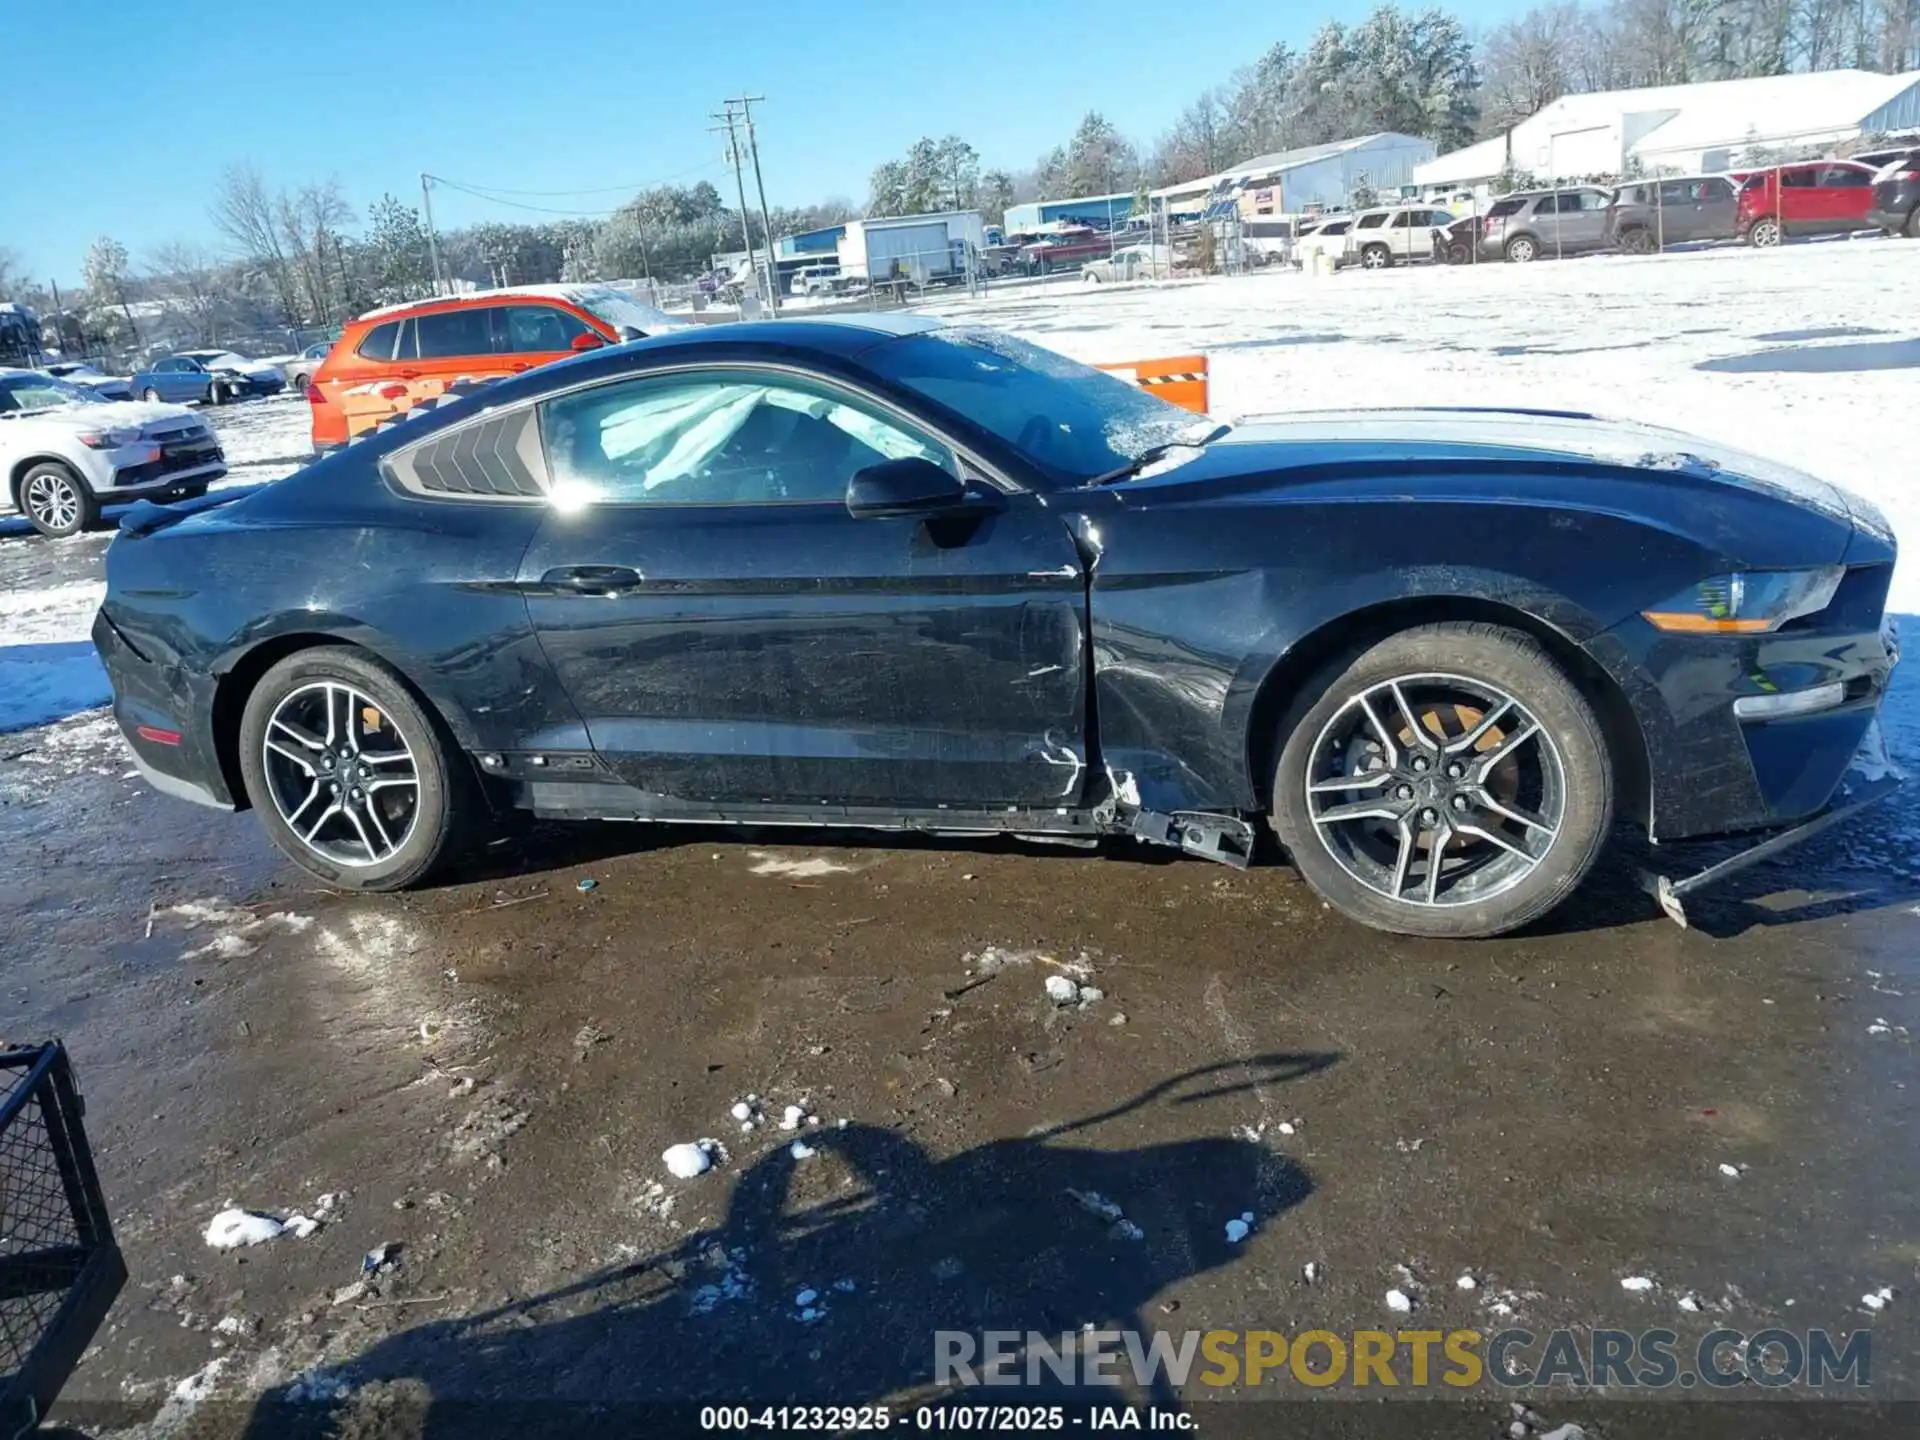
919, 248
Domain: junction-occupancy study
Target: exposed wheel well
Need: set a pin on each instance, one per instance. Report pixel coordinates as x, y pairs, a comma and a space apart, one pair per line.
1626, 747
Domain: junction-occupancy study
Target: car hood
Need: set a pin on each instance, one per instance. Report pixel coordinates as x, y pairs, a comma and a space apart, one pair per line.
116, 415
1336, 437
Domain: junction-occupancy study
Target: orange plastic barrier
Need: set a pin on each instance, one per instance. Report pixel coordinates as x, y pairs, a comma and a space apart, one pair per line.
1179, 379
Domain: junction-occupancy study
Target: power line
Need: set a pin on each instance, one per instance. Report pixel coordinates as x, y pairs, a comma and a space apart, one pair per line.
549, 209
703, 168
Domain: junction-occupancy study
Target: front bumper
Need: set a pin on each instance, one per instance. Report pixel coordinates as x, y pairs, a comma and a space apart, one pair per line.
1871, 778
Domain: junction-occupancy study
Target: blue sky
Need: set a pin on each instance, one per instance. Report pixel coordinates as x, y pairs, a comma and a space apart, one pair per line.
549, 95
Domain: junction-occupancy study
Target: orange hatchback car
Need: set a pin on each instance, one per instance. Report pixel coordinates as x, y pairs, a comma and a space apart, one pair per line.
390, 360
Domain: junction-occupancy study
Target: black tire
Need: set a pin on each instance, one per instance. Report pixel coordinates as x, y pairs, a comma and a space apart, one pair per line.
1764, 233
150, 395
1492, 657
1638, 241
447, 807
1376, 257
56, 502
1523, 250
1913, 223
216, 394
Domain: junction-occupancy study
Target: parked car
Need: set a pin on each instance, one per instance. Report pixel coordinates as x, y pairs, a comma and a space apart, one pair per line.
1136, 262
1395, 235
1328, 238
1821, 197
65, 452
1649, 214
300, 369
1548, 224
78, 372
814, 280
1068, 250
388, 360
843, 572
1895, 207
206, 377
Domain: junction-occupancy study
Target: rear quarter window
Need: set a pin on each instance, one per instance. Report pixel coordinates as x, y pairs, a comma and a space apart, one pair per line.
379, 342
1502, 208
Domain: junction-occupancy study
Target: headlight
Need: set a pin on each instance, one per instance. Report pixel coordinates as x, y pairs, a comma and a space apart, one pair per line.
1747, 602
109, 439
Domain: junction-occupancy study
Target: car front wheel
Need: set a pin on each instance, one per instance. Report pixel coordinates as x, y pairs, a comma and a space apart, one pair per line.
1376, 257
55, 501
1764, 234
355, 782
1449, 780
1637, 242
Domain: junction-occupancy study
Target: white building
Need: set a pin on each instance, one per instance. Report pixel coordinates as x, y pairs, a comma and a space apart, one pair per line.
1684, 129
1290, 181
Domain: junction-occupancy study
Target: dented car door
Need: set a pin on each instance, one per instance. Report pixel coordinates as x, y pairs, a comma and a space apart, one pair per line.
730, 631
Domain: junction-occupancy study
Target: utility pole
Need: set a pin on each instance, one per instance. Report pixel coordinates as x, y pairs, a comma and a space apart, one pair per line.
745, 103
740, 185
433, 241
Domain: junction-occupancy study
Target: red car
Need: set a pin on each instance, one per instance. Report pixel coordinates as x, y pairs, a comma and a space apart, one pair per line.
1819, 197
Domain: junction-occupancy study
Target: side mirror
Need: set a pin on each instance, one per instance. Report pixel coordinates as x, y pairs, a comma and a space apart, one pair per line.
631, 332
913, 486
586, 340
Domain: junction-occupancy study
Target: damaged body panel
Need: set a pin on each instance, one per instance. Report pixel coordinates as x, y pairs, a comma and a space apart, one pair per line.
885, 574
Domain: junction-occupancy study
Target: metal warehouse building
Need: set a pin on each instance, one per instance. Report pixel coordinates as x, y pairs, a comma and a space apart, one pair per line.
1291, 181
1102, 210
1685, 128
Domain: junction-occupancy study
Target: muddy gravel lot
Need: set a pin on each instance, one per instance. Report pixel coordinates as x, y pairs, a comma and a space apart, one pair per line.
478, 1083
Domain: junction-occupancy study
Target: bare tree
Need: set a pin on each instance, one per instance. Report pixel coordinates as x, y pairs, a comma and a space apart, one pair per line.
187, 276
13, 275
309, 225
1529, 63
248, 215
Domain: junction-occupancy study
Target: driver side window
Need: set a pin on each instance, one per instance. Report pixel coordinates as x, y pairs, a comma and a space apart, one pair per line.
719, 438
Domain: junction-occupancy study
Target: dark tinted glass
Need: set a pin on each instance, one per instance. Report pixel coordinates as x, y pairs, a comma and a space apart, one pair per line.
379, 342
1504, 207
455, 334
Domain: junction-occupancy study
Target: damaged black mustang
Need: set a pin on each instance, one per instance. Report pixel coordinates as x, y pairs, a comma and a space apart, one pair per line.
889, 574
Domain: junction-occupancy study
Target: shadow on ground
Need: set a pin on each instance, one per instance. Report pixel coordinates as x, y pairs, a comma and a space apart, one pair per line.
1819, 359
1010, 1235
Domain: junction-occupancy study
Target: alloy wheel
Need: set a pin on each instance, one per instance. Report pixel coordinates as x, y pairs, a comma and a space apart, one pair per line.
1764, 234
1436, 789
341, 774
52, 501
1375, 259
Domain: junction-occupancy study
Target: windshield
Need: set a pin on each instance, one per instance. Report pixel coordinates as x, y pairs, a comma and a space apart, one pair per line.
1072, 421
617, 310
40, 392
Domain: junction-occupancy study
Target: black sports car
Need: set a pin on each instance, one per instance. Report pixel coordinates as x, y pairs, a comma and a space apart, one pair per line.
884, 573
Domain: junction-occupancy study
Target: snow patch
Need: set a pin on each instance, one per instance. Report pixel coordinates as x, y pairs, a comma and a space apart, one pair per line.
690, 1158
1636, 1284
770, 864
231, 1229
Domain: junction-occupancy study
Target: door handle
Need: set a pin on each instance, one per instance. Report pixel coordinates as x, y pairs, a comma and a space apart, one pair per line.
592, 579
409, 374
517, 366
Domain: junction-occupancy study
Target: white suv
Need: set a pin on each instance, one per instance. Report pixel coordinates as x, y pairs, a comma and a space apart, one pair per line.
64, 452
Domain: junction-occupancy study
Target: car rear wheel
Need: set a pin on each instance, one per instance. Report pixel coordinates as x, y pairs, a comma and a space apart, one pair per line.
1450, 780
1764, 234
1376, 257
1522, 251
355, 782
55, 501
1637, 242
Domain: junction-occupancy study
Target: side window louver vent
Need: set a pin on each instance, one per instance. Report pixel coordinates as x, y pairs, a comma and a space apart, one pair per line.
495, 458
